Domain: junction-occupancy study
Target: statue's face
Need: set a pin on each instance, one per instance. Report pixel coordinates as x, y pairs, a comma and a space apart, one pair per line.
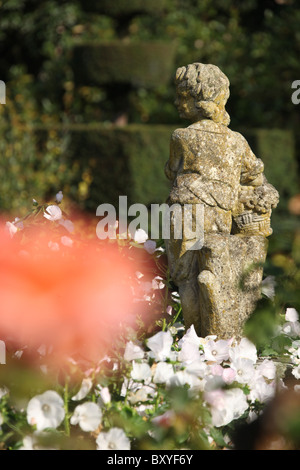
185, 104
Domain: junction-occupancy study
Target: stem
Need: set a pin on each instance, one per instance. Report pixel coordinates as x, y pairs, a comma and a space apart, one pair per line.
66, 407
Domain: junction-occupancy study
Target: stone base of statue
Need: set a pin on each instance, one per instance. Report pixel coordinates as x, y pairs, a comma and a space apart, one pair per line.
220, 284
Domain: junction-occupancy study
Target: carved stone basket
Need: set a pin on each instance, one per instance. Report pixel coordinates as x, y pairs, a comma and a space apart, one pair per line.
250, 223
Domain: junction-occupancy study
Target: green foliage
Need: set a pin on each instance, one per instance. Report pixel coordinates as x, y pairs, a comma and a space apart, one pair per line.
25, 172
139, 64
136, 168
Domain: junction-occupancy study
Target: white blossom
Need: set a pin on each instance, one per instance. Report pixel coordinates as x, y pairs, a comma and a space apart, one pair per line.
160, 345
216, 351
267, 369
11, 228
140, 236
226, 405
104, 396
261, 390
245, 349
114, 439
85, 387
140, 371
182, 377
53, 213
190, 337
244, 369
157, 283
133, 351
163, 372
66, 241
150, 246
268, 287
291, 315
59, 196
53, 246
88, 416
46, 410
296, 372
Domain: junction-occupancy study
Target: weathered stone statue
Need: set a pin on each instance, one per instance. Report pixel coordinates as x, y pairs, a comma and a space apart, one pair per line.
210, 164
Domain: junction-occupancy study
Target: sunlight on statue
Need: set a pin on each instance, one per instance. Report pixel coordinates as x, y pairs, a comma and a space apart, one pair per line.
209, 164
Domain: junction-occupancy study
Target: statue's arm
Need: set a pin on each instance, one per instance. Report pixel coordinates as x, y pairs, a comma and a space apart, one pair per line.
173, 163
252, 168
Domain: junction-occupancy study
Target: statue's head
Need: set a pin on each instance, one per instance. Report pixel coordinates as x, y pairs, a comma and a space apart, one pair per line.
202, 91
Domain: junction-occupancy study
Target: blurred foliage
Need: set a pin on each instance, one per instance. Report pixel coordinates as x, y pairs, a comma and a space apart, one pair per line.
255, 43
25, 172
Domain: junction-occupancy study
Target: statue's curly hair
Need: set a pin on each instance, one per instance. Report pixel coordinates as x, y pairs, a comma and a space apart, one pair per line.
209, 86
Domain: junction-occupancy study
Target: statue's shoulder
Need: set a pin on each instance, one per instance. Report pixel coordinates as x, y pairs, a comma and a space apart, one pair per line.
179, 133
239, 138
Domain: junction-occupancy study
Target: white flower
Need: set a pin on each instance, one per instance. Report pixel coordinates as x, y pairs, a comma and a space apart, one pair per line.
244, 370
292, 329
245, 349
182, 377
189, 353
190, 337
228, 375
32, 443
291, 315
268, 287
68, 224
157, 283
296, 372
216, 351
114, 439
85, 387
104, 396
88, 416
59, 196
261, 390
198, 368
53, 213
46, 410
176, 297
11, 228
28, 443
267, 369
140, 236
53, 246
160, 345
141, 394
169, 310
18, 223
140, 372
3, 391
66, 241
150, 246
226, 405
163, 372
133, 351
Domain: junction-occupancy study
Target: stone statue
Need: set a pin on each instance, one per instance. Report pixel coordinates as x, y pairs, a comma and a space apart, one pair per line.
209, 164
